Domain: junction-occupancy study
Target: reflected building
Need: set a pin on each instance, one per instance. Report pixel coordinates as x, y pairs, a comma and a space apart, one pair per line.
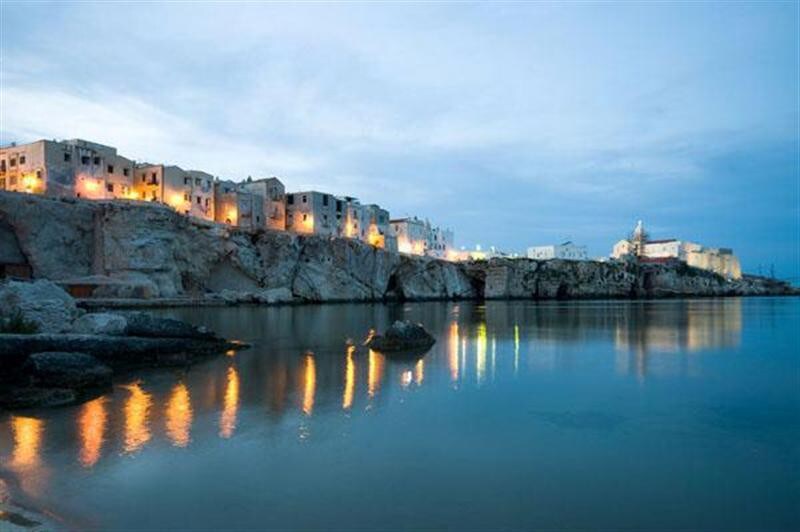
91, 429
349, 379
227, 420
137, 418
179, 416
309, 384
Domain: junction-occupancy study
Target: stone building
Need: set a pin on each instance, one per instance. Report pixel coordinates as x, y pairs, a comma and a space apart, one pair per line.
70, 168
566, 250
189, 192
380, 233
274, 194
419, 237
314, 212
238, 207
718, 260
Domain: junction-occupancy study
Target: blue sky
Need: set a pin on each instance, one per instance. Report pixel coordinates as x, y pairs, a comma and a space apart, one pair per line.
513, 123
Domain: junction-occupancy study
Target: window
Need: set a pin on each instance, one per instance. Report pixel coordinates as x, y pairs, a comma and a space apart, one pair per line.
3, 183
325, 200
305, 217
3, 165
325, 217
305, 199
290, 199
67, 157
110, 187
198, 181
84, 159
125, 172
338, 206
153, 195
38, 174
97, 160
12, 180
206, 202
258, 219
187, 181
199, 200
110, 168
185, 197
144, 178
21, 159
12, 162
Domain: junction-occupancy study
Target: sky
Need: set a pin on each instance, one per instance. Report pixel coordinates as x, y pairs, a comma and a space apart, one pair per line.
515, 124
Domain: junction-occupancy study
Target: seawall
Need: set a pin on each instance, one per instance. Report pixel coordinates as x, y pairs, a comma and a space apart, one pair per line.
131, 249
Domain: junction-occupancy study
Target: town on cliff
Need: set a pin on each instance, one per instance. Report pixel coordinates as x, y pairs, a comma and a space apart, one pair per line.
88, 170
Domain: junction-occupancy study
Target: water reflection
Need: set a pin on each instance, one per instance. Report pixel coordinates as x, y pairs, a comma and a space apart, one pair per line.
227, 421
309, 384
28, 433
137, 418
92, 421
179, 415
478, 347
349, 378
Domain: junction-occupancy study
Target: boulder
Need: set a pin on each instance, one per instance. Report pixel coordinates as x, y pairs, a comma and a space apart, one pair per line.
43, 303
149, 326
57, 369
402, 336
101, 323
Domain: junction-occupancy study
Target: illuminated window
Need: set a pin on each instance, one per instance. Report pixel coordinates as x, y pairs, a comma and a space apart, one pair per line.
3, 183
186, 197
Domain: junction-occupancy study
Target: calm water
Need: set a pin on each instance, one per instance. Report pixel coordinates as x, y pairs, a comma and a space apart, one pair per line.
669, 414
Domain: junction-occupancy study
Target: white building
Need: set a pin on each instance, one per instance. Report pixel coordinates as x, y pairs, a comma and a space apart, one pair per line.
718, 260
189, 192
238, 207
314, 213
565, 251
419, 237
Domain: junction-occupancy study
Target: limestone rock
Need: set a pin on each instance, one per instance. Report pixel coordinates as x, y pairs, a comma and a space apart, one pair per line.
275, 295
101, 323
147, 325
66, 370
402, 336
42, 302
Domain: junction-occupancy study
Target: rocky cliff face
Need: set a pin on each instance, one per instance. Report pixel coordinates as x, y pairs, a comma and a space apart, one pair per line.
143, 250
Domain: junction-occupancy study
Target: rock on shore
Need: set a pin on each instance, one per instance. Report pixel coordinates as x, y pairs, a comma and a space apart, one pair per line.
130, 249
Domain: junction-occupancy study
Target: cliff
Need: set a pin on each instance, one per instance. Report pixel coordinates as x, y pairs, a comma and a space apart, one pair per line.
129, 249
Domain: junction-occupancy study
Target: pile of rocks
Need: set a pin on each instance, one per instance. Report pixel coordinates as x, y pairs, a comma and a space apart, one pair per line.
71, 355
402, 336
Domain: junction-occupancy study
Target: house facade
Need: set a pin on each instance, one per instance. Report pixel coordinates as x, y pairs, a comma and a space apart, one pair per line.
273, 192
70, 168
237, 207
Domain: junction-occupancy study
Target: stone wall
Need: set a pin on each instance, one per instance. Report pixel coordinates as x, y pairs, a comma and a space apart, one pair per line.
137, 249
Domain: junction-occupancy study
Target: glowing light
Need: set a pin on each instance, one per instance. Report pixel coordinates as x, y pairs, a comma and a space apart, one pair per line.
310, 385
179, 416
230, 352
232, 216
419, 372
227, 422
374, 373
29, 182
137, 418
177, 200
92, 426
349, 379
453, 351
28, 433
480, 353
516, 349
406, 378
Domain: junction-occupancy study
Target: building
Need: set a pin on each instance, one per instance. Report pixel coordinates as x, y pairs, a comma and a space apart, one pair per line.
718, 260
419, 237
70, 168
380, 233
238, 207
314, 213
189, 192
565, 251
274, 194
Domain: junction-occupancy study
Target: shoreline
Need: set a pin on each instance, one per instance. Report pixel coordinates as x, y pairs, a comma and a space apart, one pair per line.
95, 304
